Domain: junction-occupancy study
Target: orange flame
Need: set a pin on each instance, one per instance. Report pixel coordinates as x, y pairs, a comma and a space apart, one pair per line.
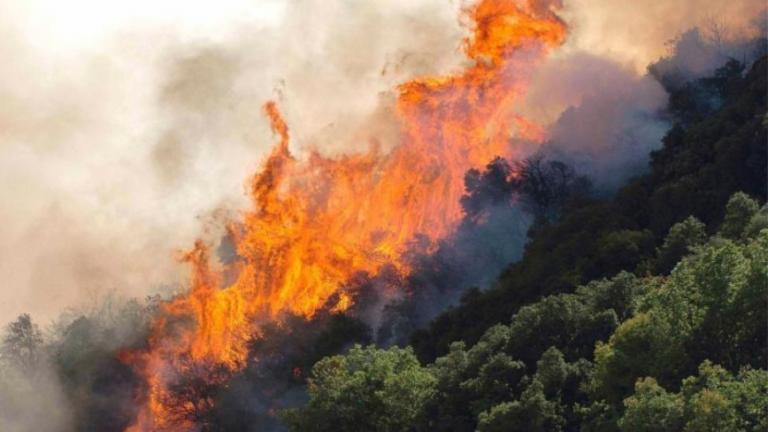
315, 223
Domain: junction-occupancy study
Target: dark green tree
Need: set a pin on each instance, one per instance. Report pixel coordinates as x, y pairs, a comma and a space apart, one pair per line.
682, 236
738, 213
367, 389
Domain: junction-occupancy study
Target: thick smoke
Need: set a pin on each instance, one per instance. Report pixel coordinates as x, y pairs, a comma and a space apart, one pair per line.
30, 403
637, 33
606, 117
125, 129
69, 376
118, 153
117, 150
613, 121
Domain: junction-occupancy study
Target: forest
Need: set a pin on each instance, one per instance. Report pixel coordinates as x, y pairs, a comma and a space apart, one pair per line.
639, 309
645, 311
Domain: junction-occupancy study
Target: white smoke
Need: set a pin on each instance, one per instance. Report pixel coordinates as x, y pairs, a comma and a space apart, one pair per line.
125, 127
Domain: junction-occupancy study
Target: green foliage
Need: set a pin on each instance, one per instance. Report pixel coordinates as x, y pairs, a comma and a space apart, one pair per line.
533, 350
758, 223
706, 158
639, 347
551, 371
717, 400
367, 389
613, 304
285, 353
573, 322
712, 401
532, 413
713, 306
644, 334
738, 214
652, 409
678, 243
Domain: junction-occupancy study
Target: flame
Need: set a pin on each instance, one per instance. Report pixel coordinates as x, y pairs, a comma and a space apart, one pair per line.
317, 222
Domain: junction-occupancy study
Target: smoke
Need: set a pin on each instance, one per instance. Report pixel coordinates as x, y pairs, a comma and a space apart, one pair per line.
606, 114
36, 403
125, 129
613, 120
123, 139
70, 377
637, 33
117, 153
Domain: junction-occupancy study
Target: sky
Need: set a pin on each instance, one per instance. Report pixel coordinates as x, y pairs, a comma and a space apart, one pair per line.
128, 129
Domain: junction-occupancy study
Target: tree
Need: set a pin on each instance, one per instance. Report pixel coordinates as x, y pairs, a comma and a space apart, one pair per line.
717, 400
682, 236
367, 389
87, 364
544, 186
22, 344
712, 306
541, 186
652, 409
714, 400
758, 223
738, 213
191, 394
532, 413
486, 188
703, 162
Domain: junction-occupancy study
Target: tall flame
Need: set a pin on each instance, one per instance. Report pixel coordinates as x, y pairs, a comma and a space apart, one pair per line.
317, 222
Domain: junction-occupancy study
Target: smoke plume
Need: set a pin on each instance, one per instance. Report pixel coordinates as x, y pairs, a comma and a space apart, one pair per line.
123, 139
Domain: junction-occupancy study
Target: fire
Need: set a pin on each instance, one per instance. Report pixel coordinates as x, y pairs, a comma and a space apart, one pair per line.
317, 222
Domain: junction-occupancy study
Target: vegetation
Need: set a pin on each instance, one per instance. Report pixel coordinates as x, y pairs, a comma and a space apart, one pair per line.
701, 164
642, 311
366, 389
681, 352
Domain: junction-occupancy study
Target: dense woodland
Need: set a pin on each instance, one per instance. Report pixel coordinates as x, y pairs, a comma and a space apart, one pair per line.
644, 310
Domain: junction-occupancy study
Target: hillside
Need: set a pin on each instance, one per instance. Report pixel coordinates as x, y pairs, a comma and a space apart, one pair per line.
701, 164
641, 312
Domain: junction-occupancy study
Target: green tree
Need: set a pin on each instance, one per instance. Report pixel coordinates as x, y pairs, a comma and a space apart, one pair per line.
713, 306
473, 380
682, 236
532, 413
738, 213
758, 223
551, 371
367, 389
714, 400
652, 409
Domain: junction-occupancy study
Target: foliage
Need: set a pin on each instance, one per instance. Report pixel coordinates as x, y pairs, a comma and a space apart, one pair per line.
705, 159
641, 311
652, 409
274, 379
738, 214
758, 223
623, 313
712, 401
681, 238
366, 389
713, 306
611, 356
